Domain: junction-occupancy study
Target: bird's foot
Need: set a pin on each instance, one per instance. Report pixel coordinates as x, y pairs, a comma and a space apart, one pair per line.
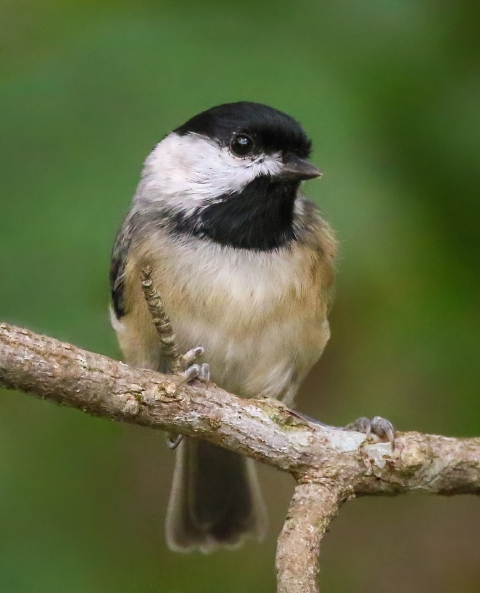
378, 426
191, 372
381, 427
197, 371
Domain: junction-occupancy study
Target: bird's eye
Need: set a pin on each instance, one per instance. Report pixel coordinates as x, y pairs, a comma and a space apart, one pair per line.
241, 145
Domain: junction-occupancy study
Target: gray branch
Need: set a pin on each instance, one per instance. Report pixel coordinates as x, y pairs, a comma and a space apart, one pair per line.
330, 465
313, 507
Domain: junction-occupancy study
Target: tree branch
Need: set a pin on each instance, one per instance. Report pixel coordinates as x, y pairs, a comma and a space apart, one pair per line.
313, 507
330, 465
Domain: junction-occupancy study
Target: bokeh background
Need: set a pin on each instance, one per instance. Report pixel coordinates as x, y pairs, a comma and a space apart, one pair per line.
390, 92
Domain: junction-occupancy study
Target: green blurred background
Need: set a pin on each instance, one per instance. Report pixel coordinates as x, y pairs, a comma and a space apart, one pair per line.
390, 93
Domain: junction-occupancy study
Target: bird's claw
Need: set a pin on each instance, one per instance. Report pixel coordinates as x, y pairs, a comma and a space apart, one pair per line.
173, 440
194, 371
379, 426
197, 371
191, 356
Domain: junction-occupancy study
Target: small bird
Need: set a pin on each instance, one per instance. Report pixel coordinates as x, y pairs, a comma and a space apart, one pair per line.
245, 267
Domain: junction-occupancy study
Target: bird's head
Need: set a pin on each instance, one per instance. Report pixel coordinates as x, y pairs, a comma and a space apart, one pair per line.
230, 170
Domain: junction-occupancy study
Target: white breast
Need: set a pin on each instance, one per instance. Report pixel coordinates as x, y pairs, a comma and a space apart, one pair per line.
259, 315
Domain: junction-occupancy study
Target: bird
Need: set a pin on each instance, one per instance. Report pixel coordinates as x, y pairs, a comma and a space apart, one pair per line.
245, 266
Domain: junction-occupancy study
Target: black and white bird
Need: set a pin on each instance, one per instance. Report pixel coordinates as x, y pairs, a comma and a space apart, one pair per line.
245, 267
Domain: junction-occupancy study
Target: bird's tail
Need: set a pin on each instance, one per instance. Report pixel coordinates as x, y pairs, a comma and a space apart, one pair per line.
215, 499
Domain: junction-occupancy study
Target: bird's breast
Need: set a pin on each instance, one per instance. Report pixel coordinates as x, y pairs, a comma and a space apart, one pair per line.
259, 315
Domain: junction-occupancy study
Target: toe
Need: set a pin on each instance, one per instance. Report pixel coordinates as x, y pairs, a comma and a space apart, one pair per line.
362, 424
204, 374
191, 356
383, 428
192, 373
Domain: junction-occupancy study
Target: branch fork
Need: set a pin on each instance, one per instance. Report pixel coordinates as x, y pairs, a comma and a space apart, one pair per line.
330, 465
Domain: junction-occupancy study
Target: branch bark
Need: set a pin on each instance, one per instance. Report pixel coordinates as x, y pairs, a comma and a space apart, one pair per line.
330, 465
313, 507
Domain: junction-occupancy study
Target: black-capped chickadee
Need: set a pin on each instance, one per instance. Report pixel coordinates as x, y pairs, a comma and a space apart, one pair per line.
245, 267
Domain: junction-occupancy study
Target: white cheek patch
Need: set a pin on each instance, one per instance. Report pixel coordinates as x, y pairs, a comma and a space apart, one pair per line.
187, 170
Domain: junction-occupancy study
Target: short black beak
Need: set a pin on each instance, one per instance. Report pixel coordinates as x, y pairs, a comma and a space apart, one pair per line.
295, 168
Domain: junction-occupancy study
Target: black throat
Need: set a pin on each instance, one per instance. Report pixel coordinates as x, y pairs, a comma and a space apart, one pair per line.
259, 217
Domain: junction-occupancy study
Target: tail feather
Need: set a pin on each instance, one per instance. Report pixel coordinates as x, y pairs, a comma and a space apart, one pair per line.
215, 499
